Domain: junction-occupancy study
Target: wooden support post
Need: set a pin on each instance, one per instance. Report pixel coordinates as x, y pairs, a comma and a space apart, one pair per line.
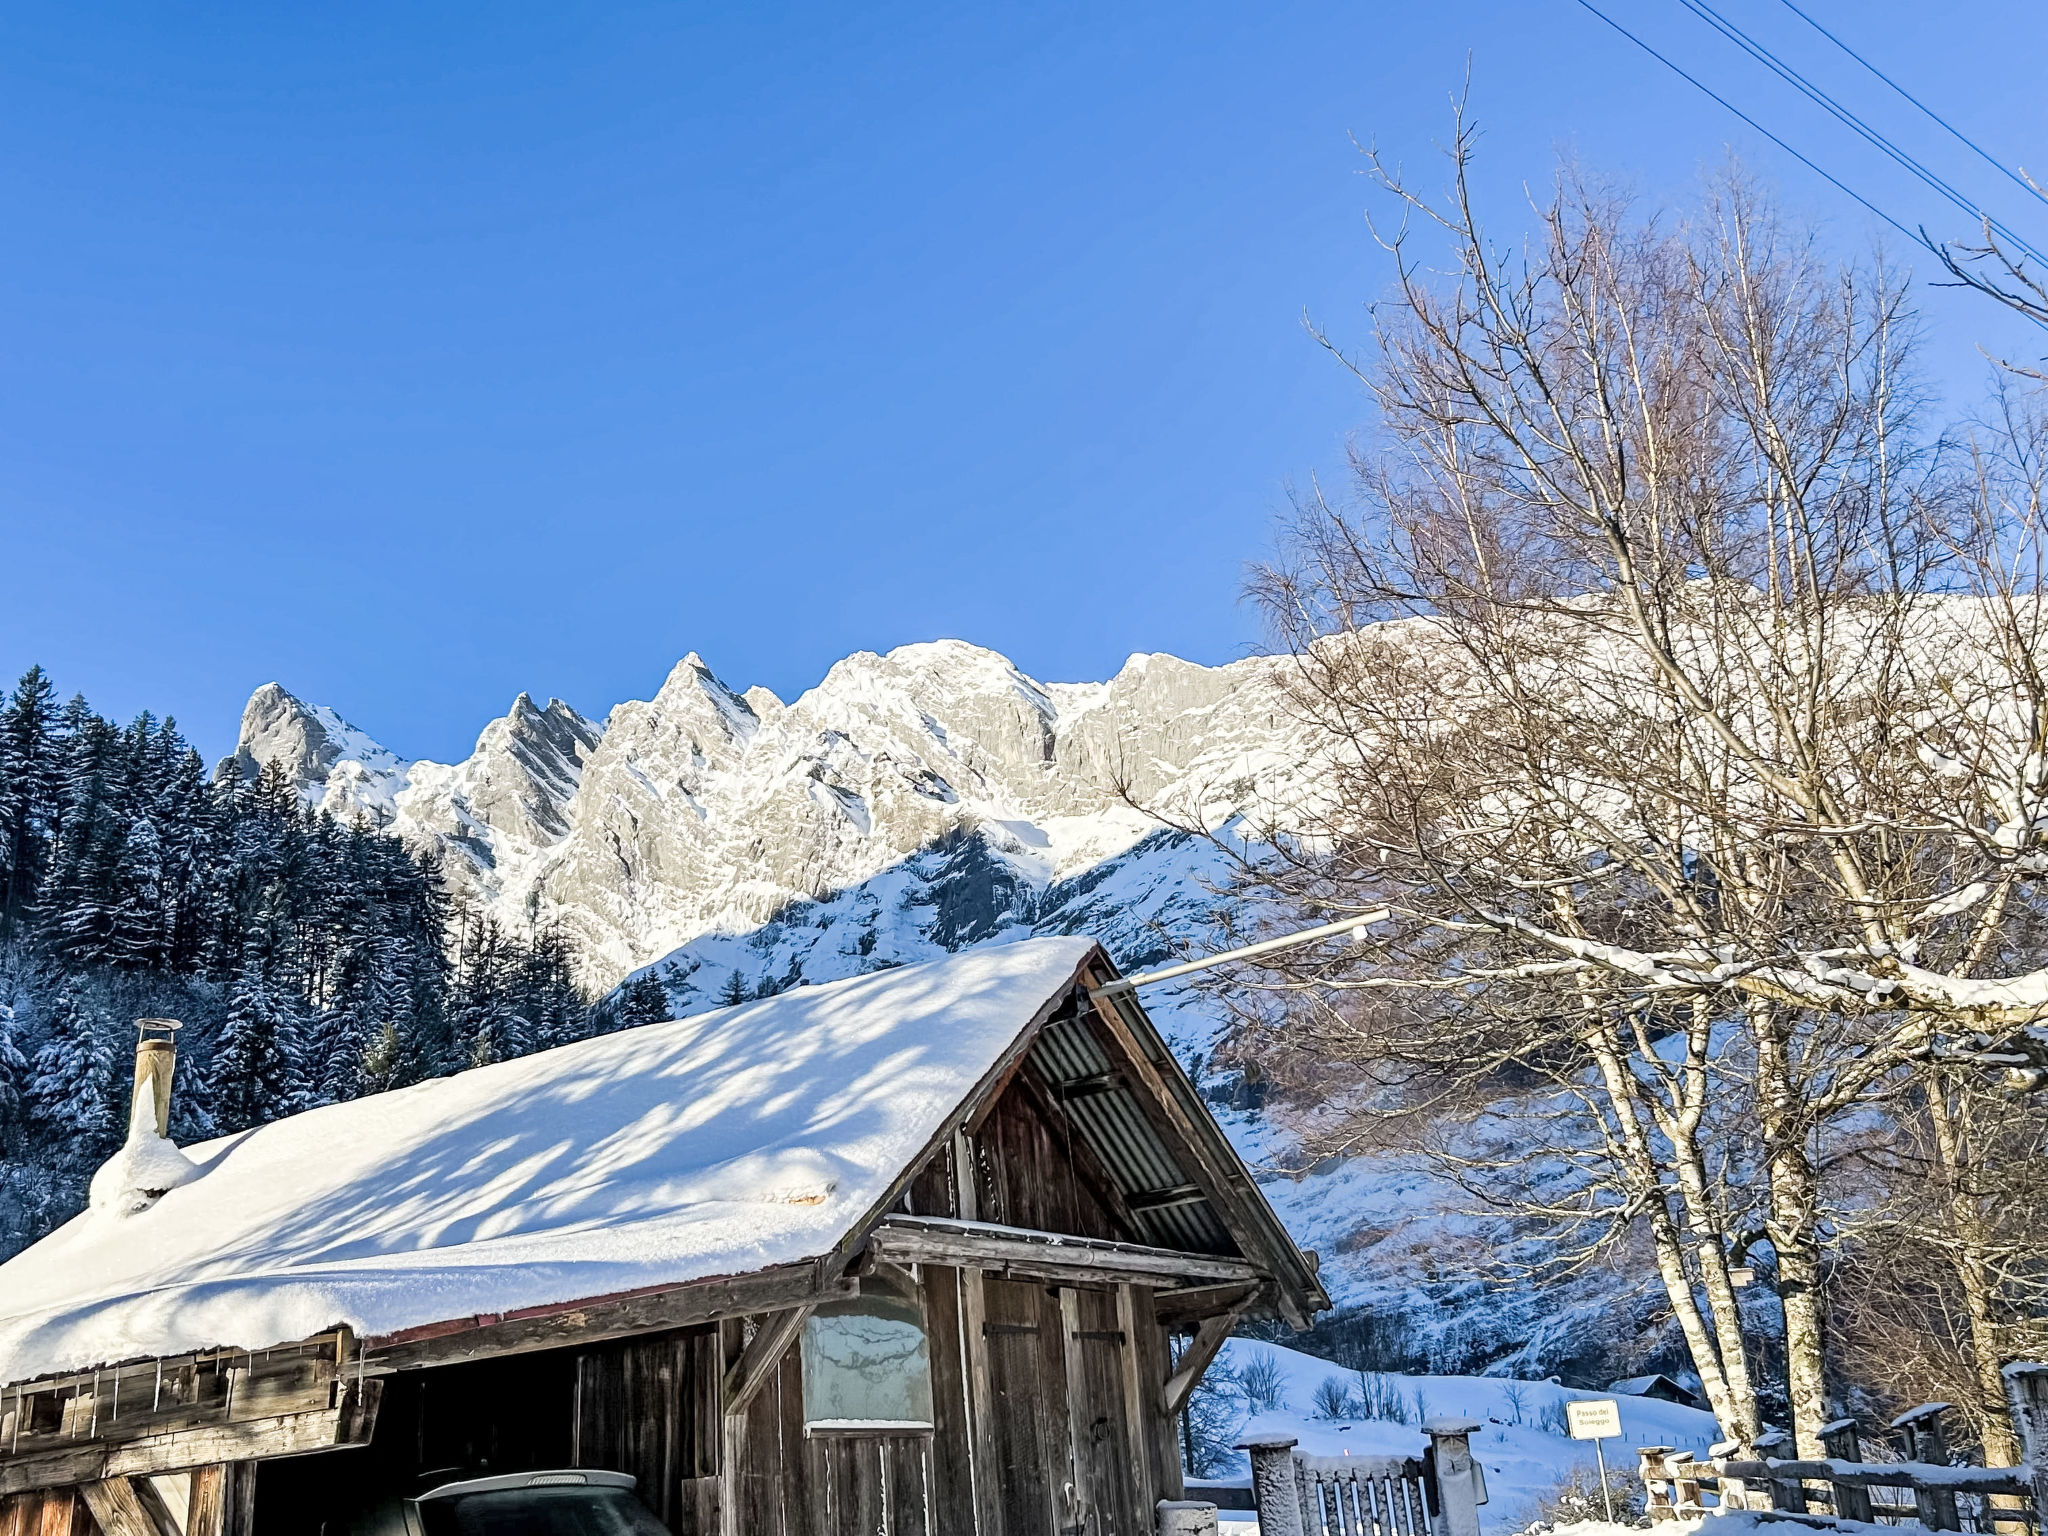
59, 1509
1209, 1337
1786, 1493
1138, 1419
2026, 1393
128, 1506
980, 1398
760, 1360
732, 1431
1685, 1484
1926, 1441
1659, 1501
1080, 1513
207, 1512
1842, 1443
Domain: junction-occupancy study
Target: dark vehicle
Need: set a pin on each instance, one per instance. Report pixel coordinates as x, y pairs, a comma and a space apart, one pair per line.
565, 1503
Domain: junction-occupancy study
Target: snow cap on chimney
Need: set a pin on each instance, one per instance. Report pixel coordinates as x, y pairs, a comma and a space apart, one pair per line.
149, 1165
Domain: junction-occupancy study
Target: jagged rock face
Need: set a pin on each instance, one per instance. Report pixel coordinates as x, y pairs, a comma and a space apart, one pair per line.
707, 810
335, 766
507, 803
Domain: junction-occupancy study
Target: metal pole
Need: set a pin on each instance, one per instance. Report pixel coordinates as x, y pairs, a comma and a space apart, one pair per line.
1125, 984
1606, 1497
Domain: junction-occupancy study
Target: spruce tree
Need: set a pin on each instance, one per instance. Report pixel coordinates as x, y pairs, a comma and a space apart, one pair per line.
251, 1070
642, 1000
74, 1079
29, 784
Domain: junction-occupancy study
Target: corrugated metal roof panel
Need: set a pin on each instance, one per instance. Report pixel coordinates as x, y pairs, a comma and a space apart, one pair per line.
1124, 1141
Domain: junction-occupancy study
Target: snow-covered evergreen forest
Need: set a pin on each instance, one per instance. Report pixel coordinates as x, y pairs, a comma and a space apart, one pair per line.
309, 960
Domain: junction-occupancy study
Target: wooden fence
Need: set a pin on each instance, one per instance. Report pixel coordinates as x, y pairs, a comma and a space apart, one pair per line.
1924, 1489
1435, 1494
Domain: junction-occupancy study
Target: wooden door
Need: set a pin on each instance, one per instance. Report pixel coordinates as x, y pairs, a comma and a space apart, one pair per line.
1060, 1415
1027, 1409
1098, 1416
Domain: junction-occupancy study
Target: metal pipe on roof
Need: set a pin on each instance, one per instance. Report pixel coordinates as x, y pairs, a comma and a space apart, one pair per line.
1126, 984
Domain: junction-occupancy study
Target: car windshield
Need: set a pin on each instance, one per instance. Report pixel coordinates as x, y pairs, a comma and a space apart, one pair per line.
566, 1511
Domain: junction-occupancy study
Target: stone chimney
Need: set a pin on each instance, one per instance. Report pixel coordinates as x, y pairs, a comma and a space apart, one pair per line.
156, 1059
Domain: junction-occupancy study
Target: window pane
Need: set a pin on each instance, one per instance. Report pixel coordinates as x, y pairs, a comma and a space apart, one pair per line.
867, 1361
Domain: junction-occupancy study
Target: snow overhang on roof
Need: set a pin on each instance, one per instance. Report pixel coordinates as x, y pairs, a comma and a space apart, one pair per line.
721, 1144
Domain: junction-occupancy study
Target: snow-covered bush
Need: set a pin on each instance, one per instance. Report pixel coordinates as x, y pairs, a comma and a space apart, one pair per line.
1577, 1498
1334, 1399
1263, 1383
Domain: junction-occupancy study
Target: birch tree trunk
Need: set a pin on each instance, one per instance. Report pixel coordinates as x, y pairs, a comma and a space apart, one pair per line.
1970, 1257
1793, 1228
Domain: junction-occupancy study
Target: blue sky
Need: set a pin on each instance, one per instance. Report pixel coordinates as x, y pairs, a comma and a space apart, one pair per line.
414, 355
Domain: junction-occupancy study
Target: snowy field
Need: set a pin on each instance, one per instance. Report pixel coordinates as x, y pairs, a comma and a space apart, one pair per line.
1521, 1442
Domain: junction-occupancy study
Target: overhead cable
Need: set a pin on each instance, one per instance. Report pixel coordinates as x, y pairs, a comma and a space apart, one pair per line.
1849, 119
1979, 150
1693, 80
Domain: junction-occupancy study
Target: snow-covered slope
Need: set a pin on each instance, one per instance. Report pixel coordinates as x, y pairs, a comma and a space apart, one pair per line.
1521, 1441
909, 805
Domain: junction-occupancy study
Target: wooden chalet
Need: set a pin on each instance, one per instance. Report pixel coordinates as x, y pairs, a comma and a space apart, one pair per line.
936, 1250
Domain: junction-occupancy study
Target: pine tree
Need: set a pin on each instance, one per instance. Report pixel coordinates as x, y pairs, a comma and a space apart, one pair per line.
736, 992
252, 1070
73, 1083
13, 1080
642, 1000
29, 783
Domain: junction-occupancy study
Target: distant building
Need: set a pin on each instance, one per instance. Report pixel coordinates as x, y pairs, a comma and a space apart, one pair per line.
1659, 1386
904, 1252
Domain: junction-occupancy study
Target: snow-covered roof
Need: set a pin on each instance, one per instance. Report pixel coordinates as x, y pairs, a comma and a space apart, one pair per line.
714, 1145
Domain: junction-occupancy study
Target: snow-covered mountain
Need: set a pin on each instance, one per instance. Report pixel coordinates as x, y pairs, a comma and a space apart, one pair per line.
710, 812
910, 804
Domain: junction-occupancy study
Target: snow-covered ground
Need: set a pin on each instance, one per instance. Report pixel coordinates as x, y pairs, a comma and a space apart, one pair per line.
1521, 1441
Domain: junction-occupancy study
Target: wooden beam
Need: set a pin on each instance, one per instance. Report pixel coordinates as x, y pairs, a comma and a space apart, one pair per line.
1161, 1199
1208, 1341
291, 1434
1193, 1303
1044, 1255
126, 1506
1088, 1087
590, 1322
762, 1357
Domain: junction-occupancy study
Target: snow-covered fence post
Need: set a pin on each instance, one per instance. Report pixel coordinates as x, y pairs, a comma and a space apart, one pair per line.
1685, 1485
1842, 1443
1460, 1482
1927, 1443
1275, 1493
1786, 1493
2026, 1393
1658, 1492
1734, 1492
1186, 1517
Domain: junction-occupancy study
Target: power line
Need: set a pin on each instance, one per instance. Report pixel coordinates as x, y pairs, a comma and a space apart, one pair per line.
1981, 152
1843, 115
1706, 90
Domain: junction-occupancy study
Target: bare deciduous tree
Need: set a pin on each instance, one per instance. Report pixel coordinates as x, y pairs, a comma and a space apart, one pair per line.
1682, 699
